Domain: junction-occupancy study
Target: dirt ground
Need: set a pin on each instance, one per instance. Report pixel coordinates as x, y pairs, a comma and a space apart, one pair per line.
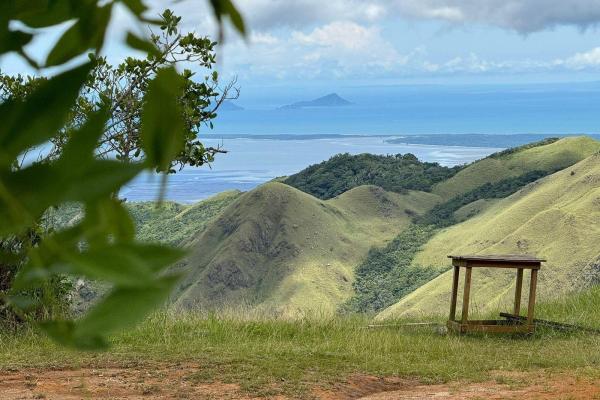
176, 382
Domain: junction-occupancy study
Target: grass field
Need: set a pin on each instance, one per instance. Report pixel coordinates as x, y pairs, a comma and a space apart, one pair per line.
268, 357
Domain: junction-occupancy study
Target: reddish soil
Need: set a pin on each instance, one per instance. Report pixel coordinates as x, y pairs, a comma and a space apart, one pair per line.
176, 382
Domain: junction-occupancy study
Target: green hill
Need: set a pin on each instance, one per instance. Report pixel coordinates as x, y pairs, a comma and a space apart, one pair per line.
557, 218
395, 173
547, 155
177, 224
170, 223
281, 251
390, 273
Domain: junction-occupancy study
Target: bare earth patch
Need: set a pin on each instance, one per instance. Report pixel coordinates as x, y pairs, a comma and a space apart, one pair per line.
173, 382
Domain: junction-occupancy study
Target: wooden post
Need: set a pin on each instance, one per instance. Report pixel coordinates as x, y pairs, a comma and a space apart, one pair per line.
454, 293
518, 289
466, 293
532, 288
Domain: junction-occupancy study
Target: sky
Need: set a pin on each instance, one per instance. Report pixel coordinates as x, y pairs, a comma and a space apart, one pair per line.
293, 43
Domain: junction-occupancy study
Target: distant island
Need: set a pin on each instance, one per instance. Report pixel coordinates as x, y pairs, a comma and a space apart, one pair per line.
229, 105
330, 100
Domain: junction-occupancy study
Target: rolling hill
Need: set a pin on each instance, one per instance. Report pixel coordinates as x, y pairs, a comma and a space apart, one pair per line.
557, 217
547, 155
280, 251
342, 172
177, 224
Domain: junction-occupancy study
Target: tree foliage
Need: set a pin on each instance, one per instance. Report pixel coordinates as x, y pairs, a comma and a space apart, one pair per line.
122, 90
144, 113
396, 173
387, 274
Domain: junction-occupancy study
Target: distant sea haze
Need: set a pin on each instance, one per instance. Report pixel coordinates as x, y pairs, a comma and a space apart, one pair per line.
265, 141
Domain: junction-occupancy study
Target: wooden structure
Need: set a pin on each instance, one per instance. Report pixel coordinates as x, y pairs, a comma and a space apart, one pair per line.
510, 325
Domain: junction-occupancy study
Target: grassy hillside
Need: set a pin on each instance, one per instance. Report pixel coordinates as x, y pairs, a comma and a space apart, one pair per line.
174, 223
542, 156
557, 218
282, 251
396, 173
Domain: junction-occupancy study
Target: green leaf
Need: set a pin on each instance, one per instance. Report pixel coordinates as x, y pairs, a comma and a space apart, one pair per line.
135, 6
64, 333
235, 17
109, 216
117, 264
85, 34
38, 118
162, 120
45, 13
101, 178
79, 151
124, 307
140, 44
13, 41
158, 257
23, 302
30, 191
226, 8
27, 194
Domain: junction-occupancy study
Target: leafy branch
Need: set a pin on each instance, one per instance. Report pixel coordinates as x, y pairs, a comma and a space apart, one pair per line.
104, 125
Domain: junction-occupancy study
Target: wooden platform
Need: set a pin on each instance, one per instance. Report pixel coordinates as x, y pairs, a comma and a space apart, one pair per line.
489, 326
518, 262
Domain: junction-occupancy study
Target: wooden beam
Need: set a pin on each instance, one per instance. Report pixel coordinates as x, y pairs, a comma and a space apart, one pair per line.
532, 289
491, 264
551, 324
454, 293
466, 294
518, 290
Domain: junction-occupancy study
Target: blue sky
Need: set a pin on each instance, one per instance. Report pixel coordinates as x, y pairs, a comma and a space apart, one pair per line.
356, 42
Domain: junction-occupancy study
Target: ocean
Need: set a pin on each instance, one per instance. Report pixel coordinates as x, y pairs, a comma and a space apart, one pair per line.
430, 121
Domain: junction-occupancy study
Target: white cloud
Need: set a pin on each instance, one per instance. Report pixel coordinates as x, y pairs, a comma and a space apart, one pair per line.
257, 38
580, 61
268, 14
348, 35
521, 15
306, 39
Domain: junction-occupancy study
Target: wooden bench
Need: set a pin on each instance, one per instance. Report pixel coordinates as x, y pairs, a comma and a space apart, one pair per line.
510, 325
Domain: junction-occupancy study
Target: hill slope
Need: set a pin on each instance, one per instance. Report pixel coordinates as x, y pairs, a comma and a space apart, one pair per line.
279, 250
547, 155
557, 218
177, 224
